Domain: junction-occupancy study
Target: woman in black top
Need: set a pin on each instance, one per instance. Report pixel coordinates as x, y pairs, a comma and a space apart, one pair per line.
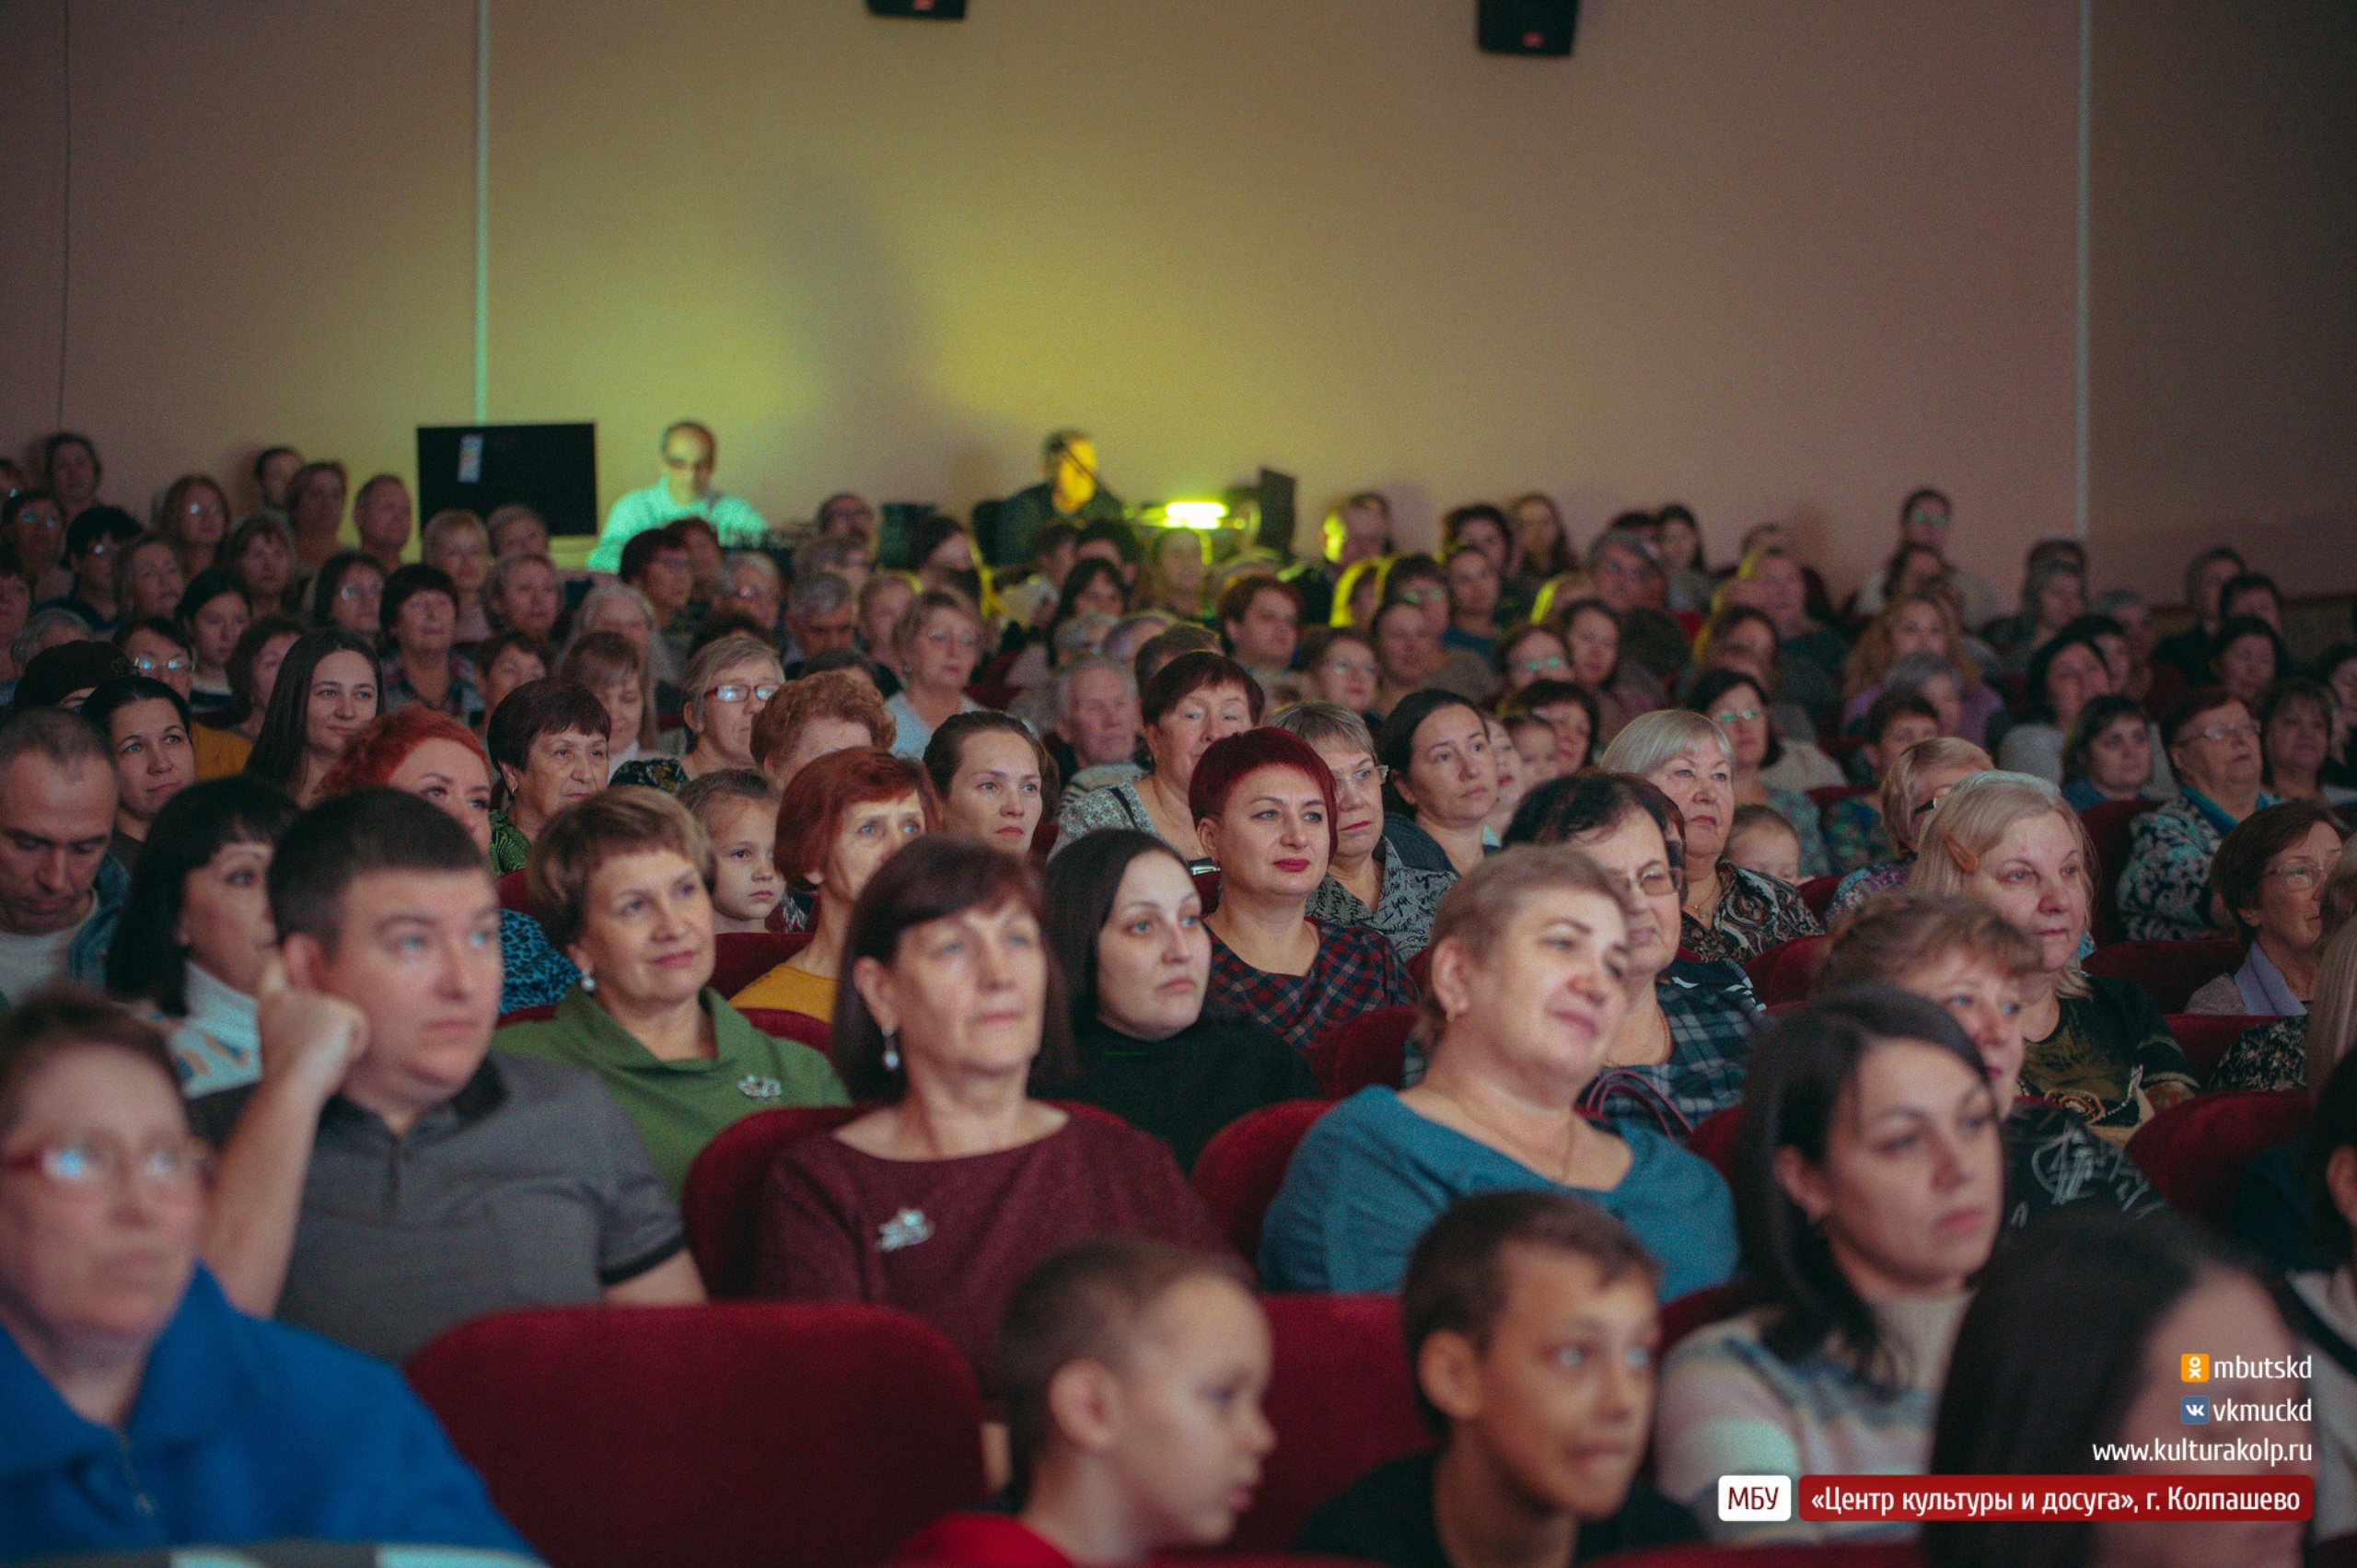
1127, 927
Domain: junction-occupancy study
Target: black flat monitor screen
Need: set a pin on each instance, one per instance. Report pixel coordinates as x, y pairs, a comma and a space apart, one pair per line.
477, 467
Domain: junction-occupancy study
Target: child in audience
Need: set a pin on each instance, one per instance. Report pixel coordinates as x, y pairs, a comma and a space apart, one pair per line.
1762, 840
1534, 741
737, 808
1132, 1374
1532, 1334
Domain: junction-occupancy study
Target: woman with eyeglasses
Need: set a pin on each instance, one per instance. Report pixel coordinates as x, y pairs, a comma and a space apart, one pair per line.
1733, 701
2213, 745
1338, 666
728, 682
1531, 654
159, 650
938, 641
1913, 784
1367, 882
194, 518
2270, 877
348, 593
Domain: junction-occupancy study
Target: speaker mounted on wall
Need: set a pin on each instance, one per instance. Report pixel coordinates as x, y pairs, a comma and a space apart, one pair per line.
924, 10
1527, 27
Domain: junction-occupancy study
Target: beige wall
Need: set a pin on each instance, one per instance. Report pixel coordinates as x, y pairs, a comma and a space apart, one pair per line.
1783, 259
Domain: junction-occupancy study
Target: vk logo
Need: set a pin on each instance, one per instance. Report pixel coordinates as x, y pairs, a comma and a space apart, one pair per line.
2194, 1410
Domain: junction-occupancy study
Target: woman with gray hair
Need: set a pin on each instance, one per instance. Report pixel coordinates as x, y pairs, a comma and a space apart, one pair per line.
1367, 883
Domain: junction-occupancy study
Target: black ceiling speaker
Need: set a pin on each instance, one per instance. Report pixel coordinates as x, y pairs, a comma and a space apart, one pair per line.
924, 10
1526, 26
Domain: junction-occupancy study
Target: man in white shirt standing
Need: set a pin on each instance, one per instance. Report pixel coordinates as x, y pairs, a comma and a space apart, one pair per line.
59, 894
690, 451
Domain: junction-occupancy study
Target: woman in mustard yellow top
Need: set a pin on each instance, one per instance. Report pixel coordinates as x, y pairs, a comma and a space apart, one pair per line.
845, 815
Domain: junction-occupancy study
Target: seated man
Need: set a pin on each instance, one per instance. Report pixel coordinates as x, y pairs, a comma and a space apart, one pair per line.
1096, 734
140, 1409
388, 1177
1067, 493
690, 450
1531, 1328
60, 893
819, 614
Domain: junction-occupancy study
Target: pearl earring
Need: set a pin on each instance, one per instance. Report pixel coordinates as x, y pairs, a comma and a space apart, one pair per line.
891, 1051
588, 981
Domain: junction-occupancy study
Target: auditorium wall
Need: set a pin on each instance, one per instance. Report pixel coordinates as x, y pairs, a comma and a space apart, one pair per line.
1783, 259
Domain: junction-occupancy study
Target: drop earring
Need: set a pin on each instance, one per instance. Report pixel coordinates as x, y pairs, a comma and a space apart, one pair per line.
891, 1051
588, 981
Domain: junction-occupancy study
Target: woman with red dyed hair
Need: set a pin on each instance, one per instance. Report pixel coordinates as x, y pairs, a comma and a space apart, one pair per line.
845, 815
1263, 803
423, 751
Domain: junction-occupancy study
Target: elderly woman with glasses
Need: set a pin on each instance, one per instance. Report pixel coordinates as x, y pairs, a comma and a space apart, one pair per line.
2213, 746
2270, 877
938, 641
728, 682
1367, 882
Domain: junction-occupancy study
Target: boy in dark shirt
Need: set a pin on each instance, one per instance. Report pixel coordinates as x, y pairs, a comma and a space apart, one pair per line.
1532, 1332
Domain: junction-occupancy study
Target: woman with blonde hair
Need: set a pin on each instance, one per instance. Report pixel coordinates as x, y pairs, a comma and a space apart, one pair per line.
1922, 623
615, 668
2096, 1045
1911, 787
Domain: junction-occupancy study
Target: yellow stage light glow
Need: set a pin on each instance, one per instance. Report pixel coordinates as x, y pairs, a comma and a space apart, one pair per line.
1194, 513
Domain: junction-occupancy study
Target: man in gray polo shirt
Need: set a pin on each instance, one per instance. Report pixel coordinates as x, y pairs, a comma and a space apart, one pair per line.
388, 1177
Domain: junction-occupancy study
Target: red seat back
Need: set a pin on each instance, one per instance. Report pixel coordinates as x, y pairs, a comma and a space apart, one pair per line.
812, 1032
2205, 1038
1367, 1052
740, 957
513, 895
538, 1012
721, 1199
1207, 888
733, 1436
1341, 1400
1817, 893
1714, 1137
2170, 972
1846, 1554
1782, 973
2195, 1151
1699, 1308
2110, 825
1240, 1169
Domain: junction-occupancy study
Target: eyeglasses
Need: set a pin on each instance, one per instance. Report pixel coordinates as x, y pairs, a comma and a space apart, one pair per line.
1739, 715
965, 642
2242, 730
148, 663
737, 691
173, 1168
1655, 880
1340, 667
1537, 666
1419, 596
355, 592
2300, 874
1362, 779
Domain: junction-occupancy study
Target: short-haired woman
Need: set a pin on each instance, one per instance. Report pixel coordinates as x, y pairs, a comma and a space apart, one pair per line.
994, 778
937, 644
1730, 913
2213, 746
621, 884
824, 711
848, 813
348, 593
2295, 722
325, 693
1440, 781
455, 543
2066, 673
1495, 1109
506, 661
728, 681
1126, 926
1912, 788
2270, 877
1738, 704
1869, 1187
1264, 809
1855, 836
2109, 754
1368, 882
548, 740
196, 928
940, 1200
2099, 1046
1338, 666
615, 668
1189, 703
423, 665
261, 558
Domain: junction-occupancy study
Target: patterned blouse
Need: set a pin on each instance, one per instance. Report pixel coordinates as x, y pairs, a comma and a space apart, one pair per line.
1710, 1051
2164, 892
535, 972
1755, 914
509, 848
1404, 906
2108, 1051
462, 699
1120, 805
2272, 1056
665, 774
1859, 886
2053, 1161
1854, 836
1807, 826
1357, 971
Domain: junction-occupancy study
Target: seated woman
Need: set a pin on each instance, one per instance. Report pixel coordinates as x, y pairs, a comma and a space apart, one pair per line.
614, 668
146, 724
940, 1200
1368, 882
423, 665
457, 544
224, 741
1736, 704
2099, 1046
1870, 1188
824, 711
348, 593
1679, 1054
1566, 708
196, 928
1919, 623
1126, 928
2324, 1300
1440, 781
1264, 807
1730, 913
2296, 723
2270, 877
1913, 786
1189, 702
1966, 958
2076, 1341
1529, 991
847, 813
325, 693
213, 611
2066, 673
1529, 654
429, 754
144, 1411
621, 884
2297, 1053
1338, 666
994, 778
728, 681
2246, 657
260, 557
1624, 688
2109, 754
548, 740
506, 661
935, 646
2213, 747
1855, 836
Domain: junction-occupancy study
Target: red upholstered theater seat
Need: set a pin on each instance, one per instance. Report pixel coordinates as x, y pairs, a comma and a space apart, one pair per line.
1876, 1554
1817, 893
784, 1025
1420, 969
537, 1013
2195, 1151
1341, 1402
1370, 1050
511, 894
2205, 1038
739, 1434
740, 957
2170, 972
1782, 973
1714, 1137
721, 1199
2110, 825
1240, 1169
1699, 1308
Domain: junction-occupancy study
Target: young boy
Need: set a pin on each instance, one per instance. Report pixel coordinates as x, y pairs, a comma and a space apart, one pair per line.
1761, 840
1132, 1374
737, 808
1534, 741
1530, 1325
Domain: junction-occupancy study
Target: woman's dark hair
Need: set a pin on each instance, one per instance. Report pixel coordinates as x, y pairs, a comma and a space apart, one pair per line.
1713, 684
2054, 1349
1680, 512
146, 959
201, 591
1540, 695
2079, 633
1579, 804
328, 583
155, 626
931, 878
2098, 715
2242, 626
551, 705
1513, 637
1890, 708
1418, 568
407, 583
1924, 493
277, 756
1395, 743
2335, 1129
1076, 582
1081, 884
2240, 867
1801, 1066
1191, 673
2332, 658
2286, 690
946, 749
2202, 699
109, 696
